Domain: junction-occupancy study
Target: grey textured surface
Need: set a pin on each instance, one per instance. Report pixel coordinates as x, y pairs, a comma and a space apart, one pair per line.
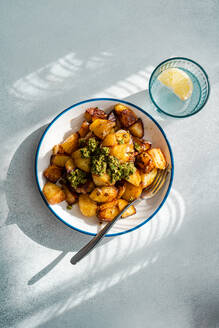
166, 274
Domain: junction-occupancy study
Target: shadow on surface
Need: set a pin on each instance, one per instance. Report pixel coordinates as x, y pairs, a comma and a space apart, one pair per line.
26, 207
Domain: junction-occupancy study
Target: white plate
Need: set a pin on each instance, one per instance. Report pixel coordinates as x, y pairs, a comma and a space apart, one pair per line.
69, 121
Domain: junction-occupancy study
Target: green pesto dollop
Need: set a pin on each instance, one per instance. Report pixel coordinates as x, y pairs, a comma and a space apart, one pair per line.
76, 177
117, 170
98, 165
85, 153
92, 145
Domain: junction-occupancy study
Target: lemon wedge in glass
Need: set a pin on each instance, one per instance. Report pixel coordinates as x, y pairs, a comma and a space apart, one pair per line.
178, 81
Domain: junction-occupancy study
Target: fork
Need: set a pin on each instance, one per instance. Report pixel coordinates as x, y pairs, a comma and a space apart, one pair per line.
147, 193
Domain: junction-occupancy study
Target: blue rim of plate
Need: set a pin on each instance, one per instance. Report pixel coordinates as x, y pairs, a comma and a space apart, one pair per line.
120, 101
185, 59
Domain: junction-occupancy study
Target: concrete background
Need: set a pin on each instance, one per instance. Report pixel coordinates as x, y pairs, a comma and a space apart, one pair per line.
166, 274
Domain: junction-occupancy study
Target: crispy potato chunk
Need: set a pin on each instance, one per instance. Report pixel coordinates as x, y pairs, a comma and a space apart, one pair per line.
70, 144
123, 137
137, 129
53, 193
101, 128
131, 192
109, 140
84, 129
104, 194
69, 165
94, 113
134, 178
81, 163
85, 188
158, 158
126, 116
108, 214
111, 204
87, 206
59, 159
122, 203
112, 116
148, 178
57, 149
102, 180
141, 145
144, 162
121, 189
124, 152
71, 197
53, 173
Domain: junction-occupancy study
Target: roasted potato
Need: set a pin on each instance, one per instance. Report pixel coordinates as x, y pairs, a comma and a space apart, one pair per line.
111, 204
122, 203
144, 162
59, 159
70, 144
70, 165
121, 189
141, 145
108, 214
148, 178
81, 163
126, 116
102, 180
57, 149
94, 113
53, 193
112, 116
131, 192
110, 140
53, 173
84, 129
134, 178
158, 158
85, 188
104, 194
71, 197
101, 128
87, 206
137, 129
124, 152
123, 137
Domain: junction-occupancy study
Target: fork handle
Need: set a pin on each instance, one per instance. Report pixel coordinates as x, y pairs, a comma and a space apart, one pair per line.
96, 239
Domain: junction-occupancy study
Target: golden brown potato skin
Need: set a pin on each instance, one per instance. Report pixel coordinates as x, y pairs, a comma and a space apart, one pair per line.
148, 178
53, 173
87, 206
108, 214
158, 158
108, 205
84, 129
53, 193
93, 113
131, 192
126, 116
101, 128
81, 163
135, 178
57, 149
142, 144
121, 189
71, 197
110, 140
137, 129
144, 162
59, 160
70, 144
124, 152
69, 165
122, 203
104, 194
102, 180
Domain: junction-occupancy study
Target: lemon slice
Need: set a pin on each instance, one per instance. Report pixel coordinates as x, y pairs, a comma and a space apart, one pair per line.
178, 81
